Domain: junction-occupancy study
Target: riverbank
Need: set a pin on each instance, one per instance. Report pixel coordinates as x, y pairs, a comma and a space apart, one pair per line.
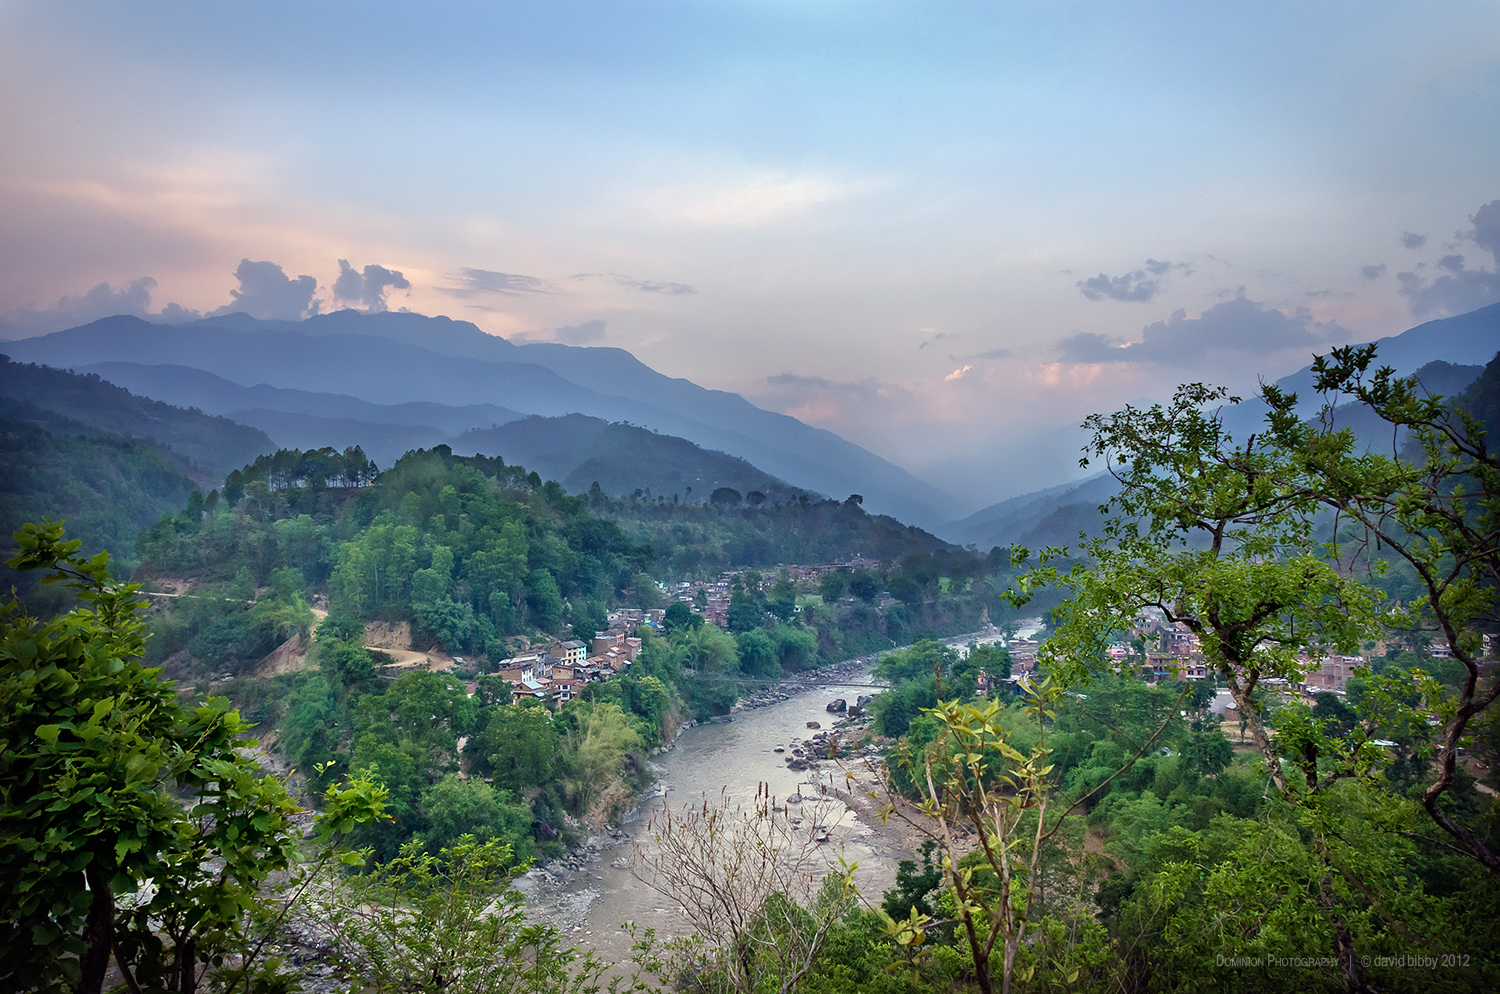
844, 674
767, 741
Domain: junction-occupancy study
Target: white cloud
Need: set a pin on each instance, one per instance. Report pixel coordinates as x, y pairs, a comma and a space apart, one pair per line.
266, 292
1236, 326
368, 288
102, 301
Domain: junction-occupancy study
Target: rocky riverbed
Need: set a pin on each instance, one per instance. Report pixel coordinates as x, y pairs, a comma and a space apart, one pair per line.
561, 892
591, 892
779, 736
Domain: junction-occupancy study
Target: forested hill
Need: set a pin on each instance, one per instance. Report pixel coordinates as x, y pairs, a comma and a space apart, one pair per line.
107, 488
733, 530
473, 550
579, 452
483, 560
391, 358
198, 445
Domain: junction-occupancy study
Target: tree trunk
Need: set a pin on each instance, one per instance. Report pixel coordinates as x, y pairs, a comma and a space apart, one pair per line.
98, 932
1250, 719
188, 966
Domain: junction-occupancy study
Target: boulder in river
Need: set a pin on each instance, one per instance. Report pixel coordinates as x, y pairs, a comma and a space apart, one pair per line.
814, 724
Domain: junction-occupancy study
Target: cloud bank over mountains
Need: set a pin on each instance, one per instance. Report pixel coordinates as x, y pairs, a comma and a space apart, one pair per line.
1241, 326
266, 292
1002, 385
1458, 289
367, 289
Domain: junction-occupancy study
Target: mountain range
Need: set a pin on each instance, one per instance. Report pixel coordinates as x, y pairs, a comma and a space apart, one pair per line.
390, 382
396, 359
200, 446
1447, 355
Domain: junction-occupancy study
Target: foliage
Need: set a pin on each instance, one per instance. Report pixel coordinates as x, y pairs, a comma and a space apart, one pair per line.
1437, 511
200, 446
602, 750
467, 548
106, 488
1214, 536
1332, 870
976, 785
450, 922
96, 747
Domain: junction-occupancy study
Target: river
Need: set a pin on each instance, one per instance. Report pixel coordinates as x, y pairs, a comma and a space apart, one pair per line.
590, 897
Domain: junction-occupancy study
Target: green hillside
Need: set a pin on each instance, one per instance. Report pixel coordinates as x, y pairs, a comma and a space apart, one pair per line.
201, 447
107, 488
580, 451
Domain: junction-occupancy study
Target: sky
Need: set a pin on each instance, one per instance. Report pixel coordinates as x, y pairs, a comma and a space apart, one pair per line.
947, 231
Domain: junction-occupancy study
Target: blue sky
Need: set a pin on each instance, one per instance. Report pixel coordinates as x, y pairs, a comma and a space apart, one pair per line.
927, 226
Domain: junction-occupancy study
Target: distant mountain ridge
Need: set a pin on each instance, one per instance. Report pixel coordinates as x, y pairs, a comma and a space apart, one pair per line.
300, 419
201, 446
1025, 519
213, 394
400, 358
579, 451
1448, 355
104, 487
575, 450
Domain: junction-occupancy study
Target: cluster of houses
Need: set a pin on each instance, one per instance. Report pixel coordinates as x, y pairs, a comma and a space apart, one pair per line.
554, 675
1173, 653
714, 604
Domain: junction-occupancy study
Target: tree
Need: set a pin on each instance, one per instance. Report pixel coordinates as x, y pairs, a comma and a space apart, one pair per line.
758, 889
782, 599
518, 746
992, 659
341, 653
448, 922
595, 749
645, 592
679, 616
492, 689
985, 805
1218, 536
95, 748
455, 808
1210, 534
544, 599
745, 612
757, 653
866, 585
1435, 509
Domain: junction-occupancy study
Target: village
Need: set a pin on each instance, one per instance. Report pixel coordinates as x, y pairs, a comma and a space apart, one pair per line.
1156, 650
553, 675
